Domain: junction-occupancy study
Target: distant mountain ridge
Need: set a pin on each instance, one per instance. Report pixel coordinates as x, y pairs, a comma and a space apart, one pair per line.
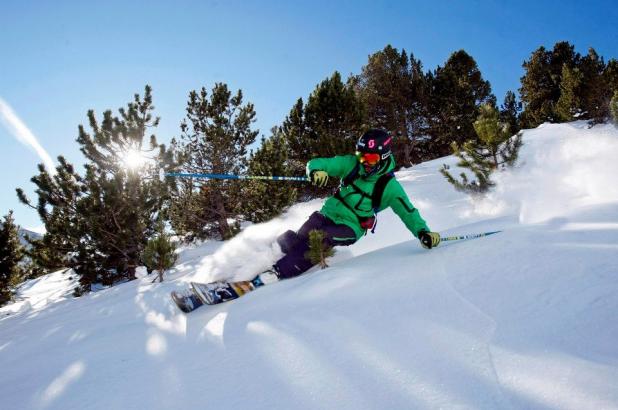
23, 233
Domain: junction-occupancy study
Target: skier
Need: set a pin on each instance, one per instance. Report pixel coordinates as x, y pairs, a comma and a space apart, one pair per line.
367, 187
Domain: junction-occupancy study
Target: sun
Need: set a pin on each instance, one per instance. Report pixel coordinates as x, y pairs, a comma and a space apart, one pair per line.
133, 159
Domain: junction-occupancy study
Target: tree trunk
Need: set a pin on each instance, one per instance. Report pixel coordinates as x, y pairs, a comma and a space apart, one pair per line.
494, 154
406, 161
224, 227
131, 270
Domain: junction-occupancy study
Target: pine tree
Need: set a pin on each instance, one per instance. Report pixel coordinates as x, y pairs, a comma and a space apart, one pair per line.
11, 253
318, 249
609, 81
294, 131
494, 149
160, 252
263, 200
392, 87
584, 93
509, 112
610, 76
43, 256
569, 105
613, 108
333, 118
99, 223
457, 91
327, 125
593, 91
215, 137
540, 85
59, 209
125, 195
536, 89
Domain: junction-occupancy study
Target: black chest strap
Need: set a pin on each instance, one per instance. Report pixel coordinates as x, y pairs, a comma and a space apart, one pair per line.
378, 191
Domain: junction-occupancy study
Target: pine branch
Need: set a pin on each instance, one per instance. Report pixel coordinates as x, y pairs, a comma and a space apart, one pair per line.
319, 250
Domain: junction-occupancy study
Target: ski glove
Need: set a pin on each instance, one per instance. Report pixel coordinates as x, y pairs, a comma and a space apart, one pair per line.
429, 239
319, 178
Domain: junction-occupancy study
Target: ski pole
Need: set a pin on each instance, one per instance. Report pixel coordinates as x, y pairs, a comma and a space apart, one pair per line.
470, 236
230, 176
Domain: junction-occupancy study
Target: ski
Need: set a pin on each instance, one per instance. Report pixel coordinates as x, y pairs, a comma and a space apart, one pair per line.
218, 292
213, 293
186, 300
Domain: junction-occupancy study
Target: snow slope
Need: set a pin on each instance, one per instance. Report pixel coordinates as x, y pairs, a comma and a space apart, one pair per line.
525, 319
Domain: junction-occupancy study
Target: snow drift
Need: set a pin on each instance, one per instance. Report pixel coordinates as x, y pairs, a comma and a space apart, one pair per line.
567, 167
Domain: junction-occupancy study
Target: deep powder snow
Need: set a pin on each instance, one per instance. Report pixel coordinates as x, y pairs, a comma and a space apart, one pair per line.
525, 319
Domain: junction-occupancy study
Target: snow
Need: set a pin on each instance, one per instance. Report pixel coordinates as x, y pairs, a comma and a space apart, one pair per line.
524, 319
36, 294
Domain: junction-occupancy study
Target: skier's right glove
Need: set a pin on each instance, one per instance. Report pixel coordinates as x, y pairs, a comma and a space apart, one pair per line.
319, 178
429, 239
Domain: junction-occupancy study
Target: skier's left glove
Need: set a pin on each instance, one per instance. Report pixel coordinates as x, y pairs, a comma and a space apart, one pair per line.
429, 239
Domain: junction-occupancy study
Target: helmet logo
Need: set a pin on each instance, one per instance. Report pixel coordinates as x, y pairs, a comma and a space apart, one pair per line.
372, 143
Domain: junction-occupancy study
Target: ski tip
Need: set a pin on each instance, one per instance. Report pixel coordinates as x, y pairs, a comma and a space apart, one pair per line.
186, 302
179, 301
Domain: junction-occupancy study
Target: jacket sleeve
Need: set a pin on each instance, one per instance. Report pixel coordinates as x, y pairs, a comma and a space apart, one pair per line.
338, 166
396, 198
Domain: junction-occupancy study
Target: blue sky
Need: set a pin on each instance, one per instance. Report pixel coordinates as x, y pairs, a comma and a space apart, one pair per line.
59, 59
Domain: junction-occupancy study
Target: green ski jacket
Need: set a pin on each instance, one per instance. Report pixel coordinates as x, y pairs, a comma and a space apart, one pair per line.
359, 205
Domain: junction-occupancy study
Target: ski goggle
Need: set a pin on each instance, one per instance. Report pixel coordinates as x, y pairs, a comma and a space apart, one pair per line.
368, 157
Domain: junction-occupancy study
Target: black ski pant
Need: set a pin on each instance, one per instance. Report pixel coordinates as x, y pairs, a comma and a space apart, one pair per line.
296, 244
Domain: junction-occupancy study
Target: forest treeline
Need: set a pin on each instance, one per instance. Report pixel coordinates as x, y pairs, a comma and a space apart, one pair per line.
99, 219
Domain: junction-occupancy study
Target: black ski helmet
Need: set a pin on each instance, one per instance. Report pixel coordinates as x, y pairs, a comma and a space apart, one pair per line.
375, 141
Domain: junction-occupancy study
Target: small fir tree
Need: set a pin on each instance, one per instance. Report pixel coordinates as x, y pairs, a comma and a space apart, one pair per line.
160, 252
11, 253
613, 107
318, 249
494, 149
